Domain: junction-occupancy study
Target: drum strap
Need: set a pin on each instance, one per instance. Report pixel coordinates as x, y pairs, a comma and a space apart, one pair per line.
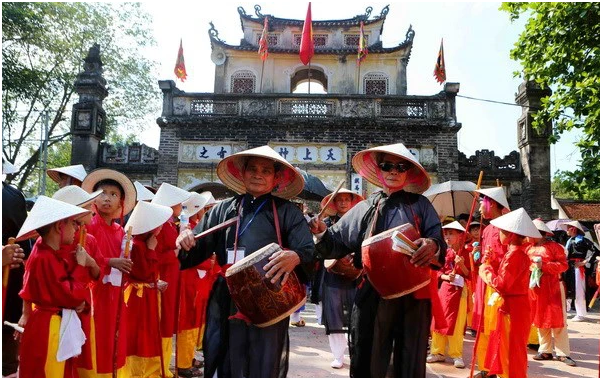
276, 220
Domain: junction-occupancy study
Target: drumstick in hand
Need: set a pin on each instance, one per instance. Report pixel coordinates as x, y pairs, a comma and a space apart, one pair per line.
320, 215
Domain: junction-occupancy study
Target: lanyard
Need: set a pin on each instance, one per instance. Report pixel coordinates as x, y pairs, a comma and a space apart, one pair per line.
253, 216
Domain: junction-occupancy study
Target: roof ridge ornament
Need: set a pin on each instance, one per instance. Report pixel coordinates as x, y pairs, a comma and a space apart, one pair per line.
213, 33
241, 11
410, 34
384, 11
257, 9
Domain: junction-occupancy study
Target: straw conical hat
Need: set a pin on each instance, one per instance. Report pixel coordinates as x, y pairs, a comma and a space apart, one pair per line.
8, 168
289, 184
517, 222
473, 224
46, 211
541, 226
575, 224
75, 195
196, 202
366, 164
143, 194
170, 195
75, 171
497, 194
100, 174
146, 216
331, 209
455, 226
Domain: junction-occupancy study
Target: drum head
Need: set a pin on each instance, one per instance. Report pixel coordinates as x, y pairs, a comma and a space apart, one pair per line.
329, 263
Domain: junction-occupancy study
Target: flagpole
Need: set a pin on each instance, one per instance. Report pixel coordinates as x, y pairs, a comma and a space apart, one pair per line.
261, 75
358, 80
309, 77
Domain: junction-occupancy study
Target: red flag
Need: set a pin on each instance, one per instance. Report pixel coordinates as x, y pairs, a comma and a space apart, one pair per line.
440, 66
180, 71
362, 45
307, 46
263, 43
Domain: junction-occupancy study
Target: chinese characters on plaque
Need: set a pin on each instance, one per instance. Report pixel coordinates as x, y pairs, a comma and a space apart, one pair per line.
207, 152
297, 153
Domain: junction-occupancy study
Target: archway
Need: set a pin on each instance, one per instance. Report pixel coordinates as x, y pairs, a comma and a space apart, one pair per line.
318, 81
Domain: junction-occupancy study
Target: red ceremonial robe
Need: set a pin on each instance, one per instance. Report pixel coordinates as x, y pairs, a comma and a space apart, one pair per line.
169, 272
51, 283
105, 298
511, 281
546, 302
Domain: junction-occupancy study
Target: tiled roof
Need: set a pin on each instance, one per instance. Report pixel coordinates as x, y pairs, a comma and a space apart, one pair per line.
586, 211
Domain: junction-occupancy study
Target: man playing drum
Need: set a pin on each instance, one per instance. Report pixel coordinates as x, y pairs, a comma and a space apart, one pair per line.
264, 181
399, 325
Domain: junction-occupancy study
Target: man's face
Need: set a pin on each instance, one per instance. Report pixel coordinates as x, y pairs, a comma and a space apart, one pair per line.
343, 202
259, 176
393, 179
572, 231
108, 202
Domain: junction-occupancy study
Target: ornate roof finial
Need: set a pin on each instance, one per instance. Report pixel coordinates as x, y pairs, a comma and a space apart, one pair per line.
410, 34
213, 33
368, 11
384, 11
257, 9
241, 11
92, 60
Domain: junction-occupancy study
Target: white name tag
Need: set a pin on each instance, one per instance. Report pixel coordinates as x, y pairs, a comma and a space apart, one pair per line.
458, 281
201, 273
233, 257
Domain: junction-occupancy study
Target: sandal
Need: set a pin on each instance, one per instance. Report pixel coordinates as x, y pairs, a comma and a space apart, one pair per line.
543, 357
567, 360
197, 363
299, 323
190, 373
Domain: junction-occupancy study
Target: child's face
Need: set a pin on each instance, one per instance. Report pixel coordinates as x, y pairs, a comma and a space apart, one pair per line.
108, 202
505, 237
69, 227
474, 231
452, 236
177, 209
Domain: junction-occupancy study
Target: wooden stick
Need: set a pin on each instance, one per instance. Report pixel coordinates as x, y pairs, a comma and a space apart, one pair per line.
14, 326
331, 198
160, 350
82, 235
225, 224
120, 305
5, 274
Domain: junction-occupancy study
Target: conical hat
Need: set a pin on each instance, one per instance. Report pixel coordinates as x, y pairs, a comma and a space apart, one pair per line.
455, 226
541, 226
497, 194
517, 222
75, 195
75, 171
100, 174
289, 184
575, 224
196, 202
146, 216
331, 209
143, 194
170, 195
8, 168
366, 164
46, 211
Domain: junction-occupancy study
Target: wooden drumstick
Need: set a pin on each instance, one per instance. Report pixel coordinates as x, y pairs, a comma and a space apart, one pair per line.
5, 273
82, 235
320, 215
227, 223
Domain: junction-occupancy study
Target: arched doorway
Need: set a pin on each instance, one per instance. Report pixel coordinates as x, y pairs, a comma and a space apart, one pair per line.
318, 81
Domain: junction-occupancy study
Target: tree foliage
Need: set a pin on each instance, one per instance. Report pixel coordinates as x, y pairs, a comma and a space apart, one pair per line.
43, 47
562, 187
560, 50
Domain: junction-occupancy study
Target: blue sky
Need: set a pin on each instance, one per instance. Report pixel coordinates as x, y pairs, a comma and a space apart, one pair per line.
477, 41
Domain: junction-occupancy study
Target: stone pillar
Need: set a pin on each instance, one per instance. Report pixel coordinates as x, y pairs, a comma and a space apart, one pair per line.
88, 124
534, 150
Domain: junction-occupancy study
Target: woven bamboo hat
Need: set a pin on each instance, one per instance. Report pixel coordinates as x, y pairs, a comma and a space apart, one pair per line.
100, 174
76, 171
575, 224
289, 184
196, 202
146, 216
46, 211
517, 222
541, 226
331, 209
8, 168
75, 195
143, 194
170, 195
366, 164
497, 194
455, 226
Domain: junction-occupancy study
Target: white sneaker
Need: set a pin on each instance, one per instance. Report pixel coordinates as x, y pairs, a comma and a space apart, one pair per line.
435, 358
337, 364
459, 363
578, 318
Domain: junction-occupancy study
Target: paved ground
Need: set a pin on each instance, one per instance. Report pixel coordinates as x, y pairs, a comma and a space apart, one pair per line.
310, 354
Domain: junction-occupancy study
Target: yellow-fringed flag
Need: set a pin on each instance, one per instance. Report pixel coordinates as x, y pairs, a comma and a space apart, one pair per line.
180, 71
440, 66
362, 45
307, 46
263, 43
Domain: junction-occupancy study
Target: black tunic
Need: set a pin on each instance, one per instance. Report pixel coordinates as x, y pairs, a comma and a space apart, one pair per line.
230, 346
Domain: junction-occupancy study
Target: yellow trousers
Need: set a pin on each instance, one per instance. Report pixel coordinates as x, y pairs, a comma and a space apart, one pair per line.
454, 342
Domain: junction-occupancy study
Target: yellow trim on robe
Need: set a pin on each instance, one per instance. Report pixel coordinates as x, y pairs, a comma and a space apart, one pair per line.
52, 367
186, 344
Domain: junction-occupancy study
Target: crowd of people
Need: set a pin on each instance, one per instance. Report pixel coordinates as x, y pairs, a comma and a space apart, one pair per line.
100, 278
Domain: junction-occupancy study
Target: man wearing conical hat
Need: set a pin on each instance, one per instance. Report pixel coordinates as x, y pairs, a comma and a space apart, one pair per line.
402, 324
55, 289
548, 310
69, 175
491, 250
580, 253
265, 183
507, 350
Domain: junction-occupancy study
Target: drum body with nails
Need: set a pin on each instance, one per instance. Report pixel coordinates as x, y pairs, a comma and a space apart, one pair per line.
390, 272
261, 301
343, 267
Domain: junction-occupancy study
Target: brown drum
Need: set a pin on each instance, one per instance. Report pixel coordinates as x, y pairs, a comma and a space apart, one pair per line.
256, 297
343, 267
389, 270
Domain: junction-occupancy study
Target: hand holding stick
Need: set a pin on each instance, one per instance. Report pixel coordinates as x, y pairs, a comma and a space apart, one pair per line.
320, 215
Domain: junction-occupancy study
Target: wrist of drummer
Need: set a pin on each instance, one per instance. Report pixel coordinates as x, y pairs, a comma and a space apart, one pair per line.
319, 236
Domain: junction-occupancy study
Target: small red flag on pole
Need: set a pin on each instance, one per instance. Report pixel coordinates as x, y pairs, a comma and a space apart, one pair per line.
307, 46
440, 66
263, 43
180, 71
362, 45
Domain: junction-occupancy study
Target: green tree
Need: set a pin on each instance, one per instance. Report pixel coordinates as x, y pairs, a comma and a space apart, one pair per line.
43, 47
562, 187
560, 50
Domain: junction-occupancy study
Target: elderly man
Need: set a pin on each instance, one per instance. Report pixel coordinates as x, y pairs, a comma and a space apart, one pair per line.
264, 181
380, 326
